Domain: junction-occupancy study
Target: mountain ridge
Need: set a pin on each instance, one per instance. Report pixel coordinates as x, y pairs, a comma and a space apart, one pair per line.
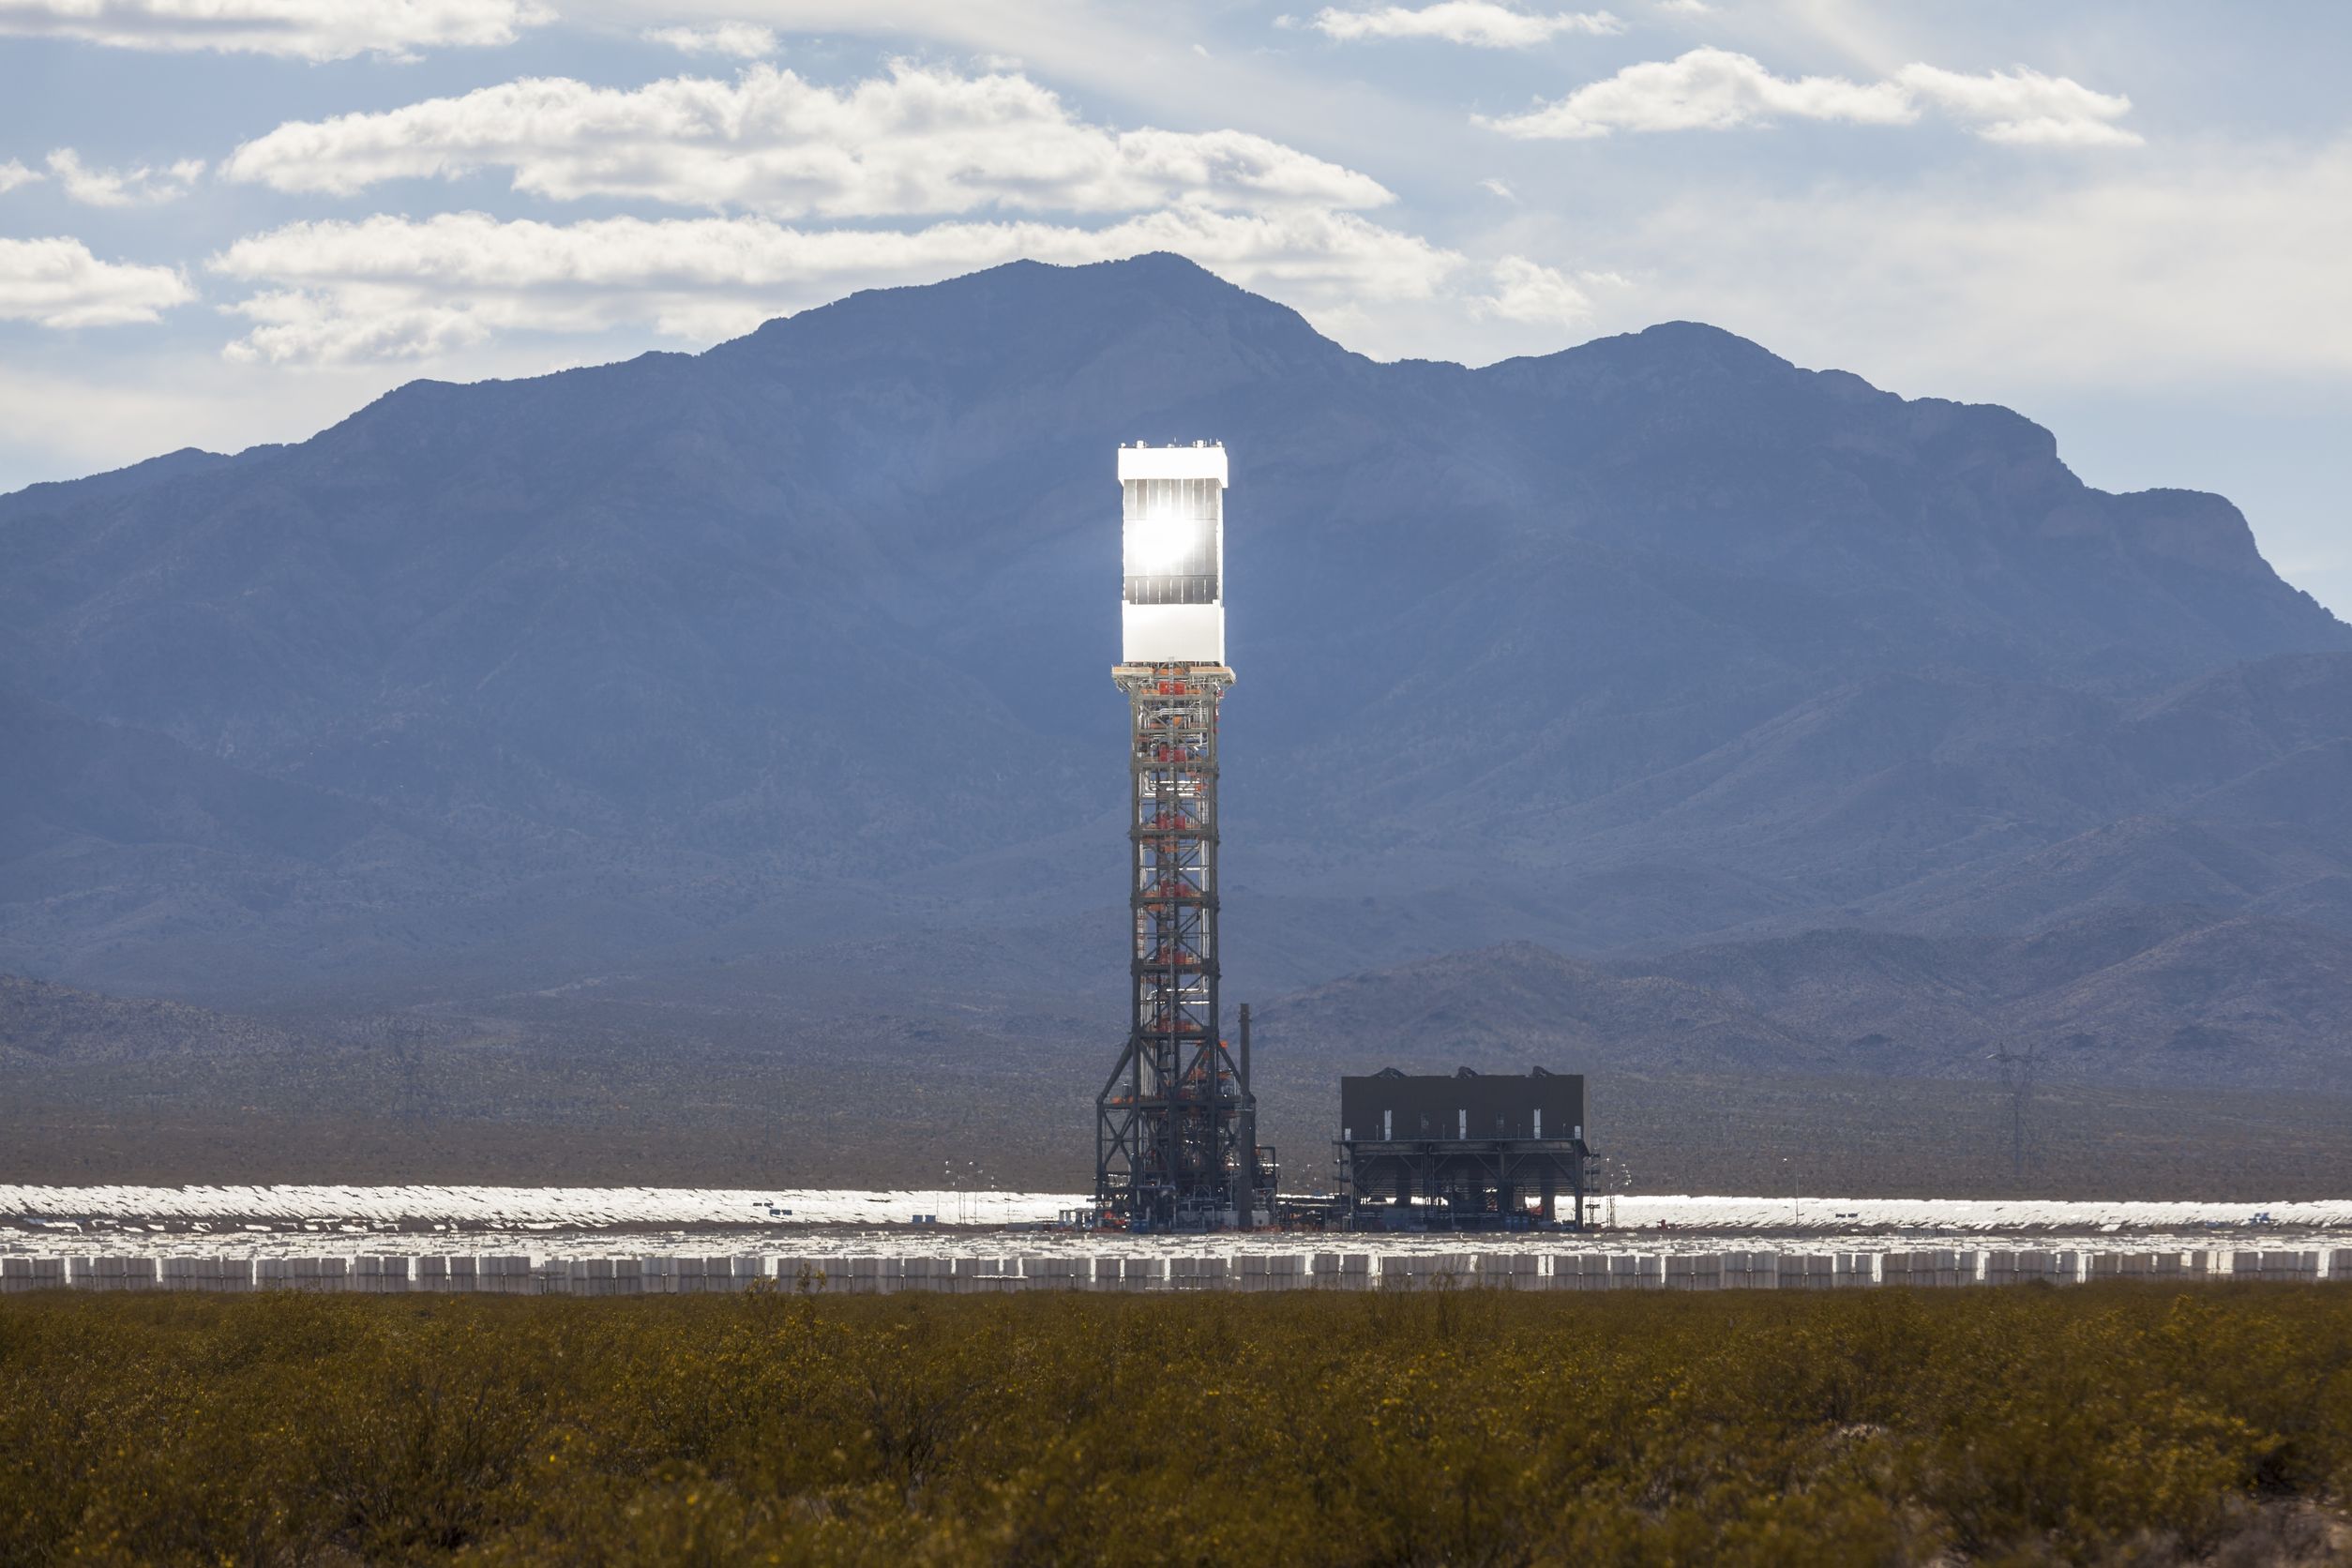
1658, 640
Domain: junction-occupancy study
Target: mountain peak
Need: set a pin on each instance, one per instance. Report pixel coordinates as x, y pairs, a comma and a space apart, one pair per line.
1685, 347
1099, 302
1698, 338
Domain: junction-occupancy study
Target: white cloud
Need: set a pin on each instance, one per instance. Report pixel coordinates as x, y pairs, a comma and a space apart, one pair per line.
58, 282
304, 29
123, 188
745, 39
1498, 187
1685, 7
1706, 89
397, 287
919, 141
1527, 291
1714, 89
2139, 279
1480, 23
13, 173
2025, 107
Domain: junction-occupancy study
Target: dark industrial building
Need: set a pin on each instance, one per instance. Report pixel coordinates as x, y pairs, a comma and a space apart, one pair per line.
1463, 1151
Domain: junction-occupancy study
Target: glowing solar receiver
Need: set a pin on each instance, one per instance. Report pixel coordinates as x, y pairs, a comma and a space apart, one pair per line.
1172, 511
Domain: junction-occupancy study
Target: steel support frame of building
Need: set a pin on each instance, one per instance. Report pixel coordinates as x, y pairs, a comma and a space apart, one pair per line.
1465, 1174
1176, 1124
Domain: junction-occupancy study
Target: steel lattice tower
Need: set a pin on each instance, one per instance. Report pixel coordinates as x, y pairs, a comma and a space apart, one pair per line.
1175, 1125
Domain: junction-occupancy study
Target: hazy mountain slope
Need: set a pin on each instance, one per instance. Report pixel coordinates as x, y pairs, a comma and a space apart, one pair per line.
2139, 993
58, 1023
2232, 791
651, 663
68, 777
2141, 997
2241, 999
1502, 1007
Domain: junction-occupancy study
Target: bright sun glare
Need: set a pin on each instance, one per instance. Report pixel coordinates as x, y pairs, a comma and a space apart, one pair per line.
1160, 544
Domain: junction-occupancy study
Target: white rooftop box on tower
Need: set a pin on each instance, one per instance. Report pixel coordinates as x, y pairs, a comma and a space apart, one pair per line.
1172, 599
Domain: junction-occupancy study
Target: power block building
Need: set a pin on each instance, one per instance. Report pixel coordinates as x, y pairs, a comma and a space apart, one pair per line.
1465, 1152
1176, 1140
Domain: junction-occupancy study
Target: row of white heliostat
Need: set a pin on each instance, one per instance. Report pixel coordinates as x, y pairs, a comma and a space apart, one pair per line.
518, 1274
598, 1208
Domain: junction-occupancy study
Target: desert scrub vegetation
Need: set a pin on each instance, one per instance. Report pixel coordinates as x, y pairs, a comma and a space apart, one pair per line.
2122, 1424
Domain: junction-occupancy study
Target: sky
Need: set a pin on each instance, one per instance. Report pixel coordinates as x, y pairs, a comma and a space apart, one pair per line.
225, 222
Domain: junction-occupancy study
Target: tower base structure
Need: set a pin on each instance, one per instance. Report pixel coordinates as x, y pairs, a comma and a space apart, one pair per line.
1176, 1124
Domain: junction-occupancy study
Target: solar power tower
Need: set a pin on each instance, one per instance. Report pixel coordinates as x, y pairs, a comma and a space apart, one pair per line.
1176, 1130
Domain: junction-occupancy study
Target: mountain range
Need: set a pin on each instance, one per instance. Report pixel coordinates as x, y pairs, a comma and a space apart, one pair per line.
1845, 730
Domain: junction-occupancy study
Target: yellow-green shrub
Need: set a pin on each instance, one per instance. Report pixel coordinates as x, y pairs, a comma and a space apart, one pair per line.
2123, 1422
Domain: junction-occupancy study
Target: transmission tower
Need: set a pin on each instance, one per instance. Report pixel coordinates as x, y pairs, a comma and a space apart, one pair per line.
2018, 1072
